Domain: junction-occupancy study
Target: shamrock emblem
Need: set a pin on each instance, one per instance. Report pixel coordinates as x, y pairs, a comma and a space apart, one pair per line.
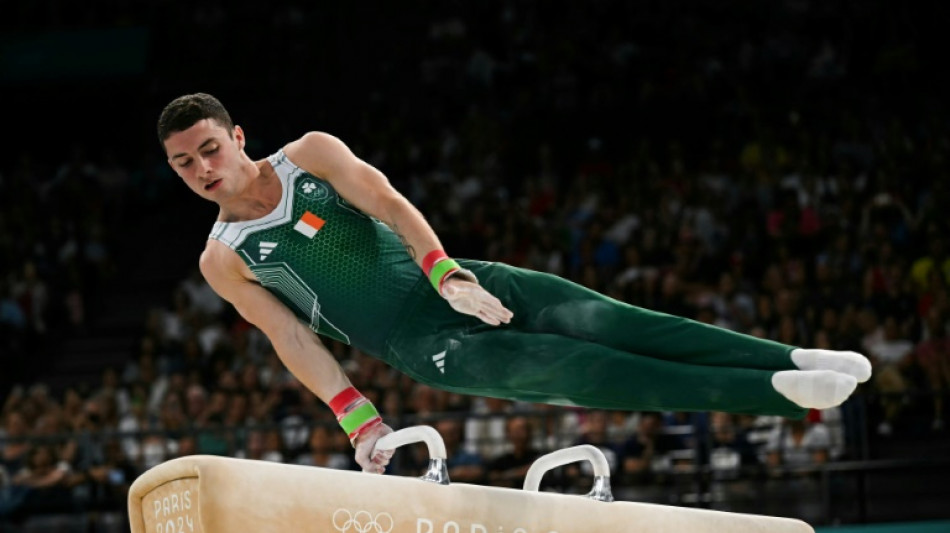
308, 187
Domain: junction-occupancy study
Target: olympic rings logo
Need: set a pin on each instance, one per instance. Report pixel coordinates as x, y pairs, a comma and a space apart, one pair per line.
362, 522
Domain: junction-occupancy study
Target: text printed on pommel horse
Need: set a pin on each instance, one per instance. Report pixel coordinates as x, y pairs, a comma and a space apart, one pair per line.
172, 513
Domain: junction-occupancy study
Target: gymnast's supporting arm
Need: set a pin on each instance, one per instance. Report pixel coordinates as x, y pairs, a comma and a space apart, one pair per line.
299, 348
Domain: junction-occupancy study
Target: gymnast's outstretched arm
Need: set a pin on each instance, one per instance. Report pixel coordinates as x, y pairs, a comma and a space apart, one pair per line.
369, 190
299, 348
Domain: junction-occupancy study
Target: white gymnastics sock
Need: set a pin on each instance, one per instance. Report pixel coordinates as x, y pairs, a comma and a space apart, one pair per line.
814, 389
850, 363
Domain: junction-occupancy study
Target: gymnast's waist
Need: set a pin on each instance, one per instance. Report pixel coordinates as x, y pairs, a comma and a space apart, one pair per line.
423, 317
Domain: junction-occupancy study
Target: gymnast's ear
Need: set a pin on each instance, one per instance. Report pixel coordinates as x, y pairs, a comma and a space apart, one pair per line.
239, 136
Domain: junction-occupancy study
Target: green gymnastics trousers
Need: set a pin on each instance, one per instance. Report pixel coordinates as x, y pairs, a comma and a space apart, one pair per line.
568, 345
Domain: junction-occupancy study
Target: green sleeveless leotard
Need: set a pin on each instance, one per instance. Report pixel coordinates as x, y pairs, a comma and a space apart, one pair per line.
347, 276
342, 272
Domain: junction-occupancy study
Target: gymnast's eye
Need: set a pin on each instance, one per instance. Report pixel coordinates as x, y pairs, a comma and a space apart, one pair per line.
186, 164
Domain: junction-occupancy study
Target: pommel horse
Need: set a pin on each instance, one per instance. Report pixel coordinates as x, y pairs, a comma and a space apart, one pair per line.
207, 494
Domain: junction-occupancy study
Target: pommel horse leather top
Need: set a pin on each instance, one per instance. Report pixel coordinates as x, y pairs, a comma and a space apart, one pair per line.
206, 494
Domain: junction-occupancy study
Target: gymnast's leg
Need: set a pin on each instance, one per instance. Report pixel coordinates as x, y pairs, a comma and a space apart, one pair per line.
550, 304
542, 367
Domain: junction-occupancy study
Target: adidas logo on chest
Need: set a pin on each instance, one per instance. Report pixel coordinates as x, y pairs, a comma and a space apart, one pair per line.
266, 247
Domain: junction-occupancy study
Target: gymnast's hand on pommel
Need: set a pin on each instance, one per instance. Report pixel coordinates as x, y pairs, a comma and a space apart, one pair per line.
470, 298
365, 442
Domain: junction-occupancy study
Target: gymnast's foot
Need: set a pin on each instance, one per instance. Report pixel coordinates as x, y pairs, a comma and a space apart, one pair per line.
850, 363
814, 389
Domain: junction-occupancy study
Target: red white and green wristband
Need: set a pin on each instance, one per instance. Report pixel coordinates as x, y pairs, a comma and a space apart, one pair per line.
438, 267
354, 413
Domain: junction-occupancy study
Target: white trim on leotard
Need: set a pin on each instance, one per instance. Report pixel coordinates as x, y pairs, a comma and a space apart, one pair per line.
233, 233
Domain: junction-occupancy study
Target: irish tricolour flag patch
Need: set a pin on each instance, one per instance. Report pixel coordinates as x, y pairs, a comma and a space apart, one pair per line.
309, 224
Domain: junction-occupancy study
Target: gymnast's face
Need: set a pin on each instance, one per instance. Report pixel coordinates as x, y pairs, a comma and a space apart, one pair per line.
208, 158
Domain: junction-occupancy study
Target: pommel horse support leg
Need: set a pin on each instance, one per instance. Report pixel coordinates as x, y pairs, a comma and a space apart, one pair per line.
205, 494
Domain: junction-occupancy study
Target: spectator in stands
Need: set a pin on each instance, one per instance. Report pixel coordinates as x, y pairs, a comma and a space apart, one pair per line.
735, 308
464, 466
72, 406
134, 421
110, 479
46, 480
196, 403
509, 469
936, 260
594, 432
11, 314
13, 454
161, 443
485, 432
77, 450
644, 454
426, 402
728, 450
321, 452
204, 300
33, 296
932, 358
176, 323
798, 443
187, 444
254, 448
273, 446
890, 354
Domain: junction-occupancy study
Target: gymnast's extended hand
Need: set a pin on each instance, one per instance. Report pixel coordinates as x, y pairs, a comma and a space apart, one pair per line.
365, 442
470, 298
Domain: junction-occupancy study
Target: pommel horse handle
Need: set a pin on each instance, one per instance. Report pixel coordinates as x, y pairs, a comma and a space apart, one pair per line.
584, 452
437, 471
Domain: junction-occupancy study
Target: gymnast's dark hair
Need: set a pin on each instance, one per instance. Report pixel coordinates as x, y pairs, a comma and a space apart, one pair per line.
183, 112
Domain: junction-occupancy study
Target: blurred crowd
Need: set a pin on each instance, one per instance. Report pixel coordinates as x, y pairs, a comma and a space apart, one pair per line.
55, 249
768, 173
